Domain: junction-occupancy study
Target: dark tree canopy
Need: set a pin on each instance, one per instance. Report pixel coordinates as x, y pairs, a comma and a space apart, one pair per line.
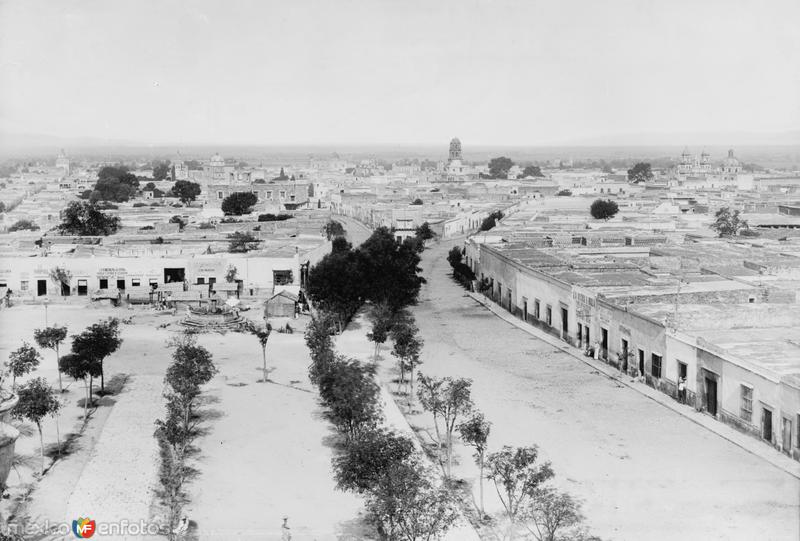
417, 201
161, 170
603, 209
367, 459
239, 203
23, 225
499, 167
335, 284
532, 171
114, 183
83, 218
424, 231
490, 221
242, 242
186, 191
390, 270
640, 172
728, 223
333, 229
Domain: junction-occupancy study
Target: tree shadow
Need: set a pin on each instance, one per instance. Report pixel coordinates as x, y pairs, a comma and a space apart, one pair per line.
356, 529
114, 386
69, 444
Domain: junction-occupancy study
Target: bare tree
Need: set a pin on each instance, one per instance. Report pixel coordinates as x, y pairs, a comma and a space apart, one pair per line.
448, 400
475, 432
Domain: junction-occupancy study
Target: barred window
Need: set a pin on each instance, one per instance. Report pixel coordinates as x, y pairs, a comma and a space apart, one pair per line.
655, 366
746, 411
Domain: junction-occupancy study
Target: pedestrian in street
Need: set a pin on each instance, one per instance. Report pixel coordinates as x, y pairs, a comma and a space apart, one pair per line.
286, 533
682, 390
597, 351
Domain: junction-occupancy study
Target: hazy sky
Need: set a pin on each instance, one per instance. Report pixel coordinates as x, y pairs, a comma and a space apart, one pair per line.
490, 72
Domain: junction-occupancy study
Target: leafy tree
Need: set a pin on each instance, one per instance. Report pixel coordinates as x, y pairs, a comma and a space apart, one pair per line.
475, 432
729, 224
390, 270
114, 183
333, 229
178, 220
37, 400
51, 338
517, 477
80, 368
97, 342
82, 218
448, 400
405, 505
531, 171
349, 391
564, 193
23, 225
490, 221
381, 316
499, 167
274, 217
192, 366
239, 203
424, 231
417, 201
22, 361
551, 515
161, 170
335, 285
368, 458
340, 245
239, 242
61, 277
407, 346
641, 172
320, 345
262, 335
454, 256
603, 209
186, 191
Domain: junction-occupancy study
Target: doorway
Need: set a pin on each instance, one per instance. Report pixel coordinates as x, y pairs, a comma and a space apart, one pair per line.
786, 435
65, 291
766, 424
83, 287
711, 395
174, 275
624, 355
525, 309
41, 287
564, 323
641, 363
604, 344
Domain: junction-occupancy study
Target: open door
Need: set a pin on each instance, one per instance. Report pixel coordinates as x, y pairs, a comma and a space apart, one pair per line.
711, 395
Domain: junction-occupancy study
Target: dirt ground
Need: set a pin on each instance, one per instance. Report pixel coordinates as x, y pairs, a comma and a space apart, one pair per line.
268, 450
642, 471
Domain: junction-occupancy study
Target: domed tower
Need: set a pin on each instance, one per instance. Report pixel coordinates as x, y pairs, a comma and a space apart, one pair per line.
731, 165
455, 150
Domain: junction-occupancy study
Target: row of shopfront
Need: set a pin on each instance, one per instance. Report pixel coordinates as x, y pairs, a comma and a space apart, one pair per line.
751, 397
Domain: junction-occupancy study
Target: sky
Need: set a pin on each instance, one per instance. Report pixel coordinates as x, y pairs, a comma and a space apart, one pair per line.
498, 72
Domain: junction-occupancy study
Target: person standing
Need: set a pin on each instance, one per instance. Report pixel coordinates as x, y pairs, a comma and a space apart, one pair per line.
682, 390
286, 533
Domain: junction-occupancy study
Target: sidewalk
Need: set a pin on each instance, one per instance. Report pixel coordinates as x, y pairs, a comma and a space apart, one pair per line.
353, 343
744, 441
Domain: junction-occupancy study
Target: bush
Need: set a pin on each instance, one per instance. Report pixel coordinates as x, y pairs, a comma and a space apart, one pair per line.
603, 209
239, 203
82, 218
564, 193
147, 228
139, 204
490, 221
274, 217
23, 225
349, 391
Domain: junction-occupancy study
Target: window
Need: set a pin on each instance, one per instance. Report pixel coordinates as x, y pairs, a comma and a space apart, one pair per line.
135, 282
103, 283
746, 408
536, 309
549, 315
153, 282
282, 277
220, 195
655, 365
283, 194
201, 281
269, 194
23, 285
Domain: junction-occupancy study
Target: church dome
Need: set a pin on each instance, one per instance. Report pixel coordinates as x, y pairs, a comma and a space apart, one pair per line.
216, 159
